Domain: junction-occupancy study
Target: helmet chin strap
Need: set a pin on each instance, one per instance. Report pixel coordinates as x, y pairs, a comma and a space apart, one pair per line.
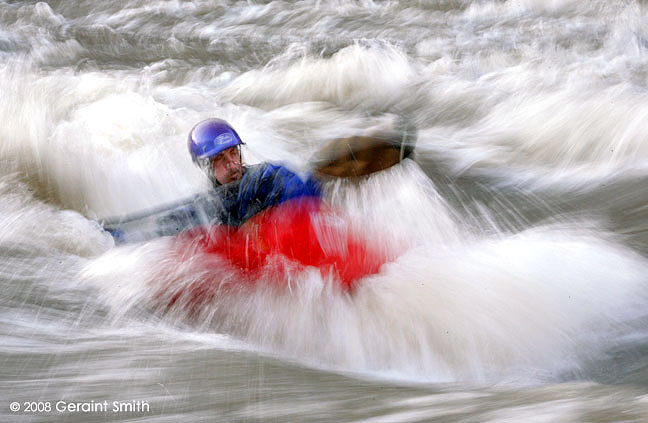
212, 178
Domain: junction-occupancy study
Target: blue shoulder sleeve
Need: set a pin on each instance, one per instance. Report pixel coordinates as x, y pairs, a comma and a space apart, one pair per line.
266, 185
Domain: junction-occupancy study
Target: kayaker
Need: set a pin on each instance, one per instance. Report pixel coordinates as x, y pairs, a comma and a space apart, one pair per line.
245, 190
239, 192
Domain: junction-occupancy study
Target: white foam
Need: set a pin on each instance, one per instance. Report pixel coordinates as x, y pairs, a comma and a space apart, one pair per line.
522, 308
355, 76
531, 90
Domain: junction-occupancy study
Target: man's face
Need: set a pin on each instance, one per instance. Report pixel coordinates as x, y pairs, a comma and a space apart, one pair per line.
227, 166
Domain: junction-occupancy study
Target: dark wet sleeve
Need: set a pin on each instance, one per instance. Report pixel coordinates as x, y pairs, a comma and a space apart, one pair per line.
267, 185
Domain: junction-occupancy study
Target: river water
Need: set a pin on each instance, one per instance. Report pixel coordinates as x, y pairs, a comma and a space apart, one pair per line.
520, 291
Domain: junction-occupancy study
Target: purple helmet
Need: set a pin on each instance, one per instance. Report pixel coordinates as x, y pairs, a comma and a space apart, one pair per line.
209, 138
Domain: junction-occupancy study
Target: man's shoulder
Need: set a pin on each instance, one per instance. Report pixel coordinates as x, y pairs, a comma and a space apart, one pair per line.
268, 165
268, 169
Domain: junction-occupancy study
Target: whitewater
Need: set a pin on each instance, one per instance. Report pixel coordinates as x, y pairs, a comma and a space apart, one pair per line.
519, 286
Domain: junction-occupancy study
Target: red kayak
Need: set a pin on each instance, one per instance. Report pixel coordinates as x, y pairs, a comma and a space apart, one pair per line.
279, 241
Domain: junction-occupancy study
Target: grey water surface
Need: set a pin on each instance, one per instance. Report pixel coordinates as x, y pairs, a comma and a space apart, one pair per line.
519, 289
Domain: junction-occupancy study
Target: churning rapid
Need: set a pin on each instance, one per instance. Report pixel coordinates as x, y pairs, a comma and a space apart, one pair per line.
517, 233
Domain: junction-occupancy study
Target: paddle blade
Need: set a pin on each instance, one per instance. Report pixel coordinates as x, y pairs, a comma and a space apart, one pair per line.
361, 155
